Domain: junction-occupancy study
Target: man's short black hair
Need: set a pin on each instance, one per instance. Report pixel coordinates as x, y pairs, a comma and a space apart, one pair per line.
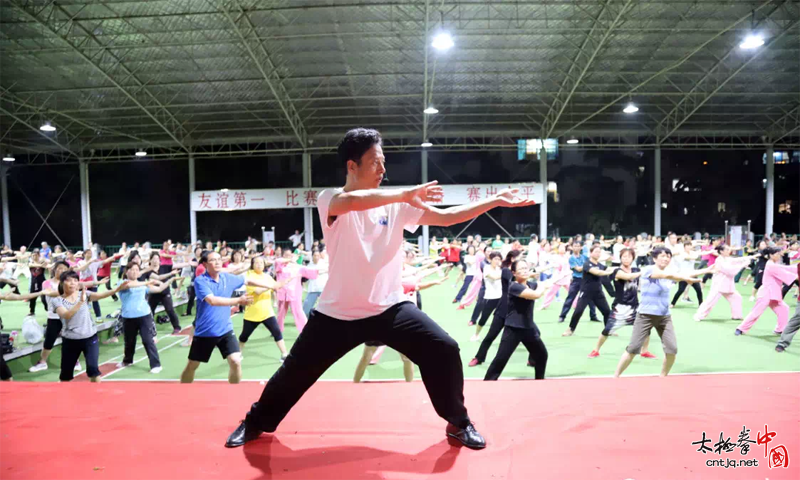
355, 143
659, 250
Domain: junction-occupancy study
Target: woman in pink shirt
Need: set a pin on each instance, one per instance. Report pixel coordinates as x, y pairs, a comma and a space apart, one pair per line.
475, 269
770, 294
560, 265
291, 294
722, 283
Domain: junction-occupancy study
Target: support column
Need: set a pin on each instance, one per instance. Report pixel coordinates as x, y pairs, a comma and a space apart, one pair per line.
425, 229
543, 205
308, 219
4, 200
192, 213
770, 210
657, 199
86, 217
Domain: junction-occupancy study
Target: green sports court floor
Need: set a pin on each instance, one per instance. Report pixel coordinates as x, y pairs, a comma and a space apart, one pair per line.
705, 347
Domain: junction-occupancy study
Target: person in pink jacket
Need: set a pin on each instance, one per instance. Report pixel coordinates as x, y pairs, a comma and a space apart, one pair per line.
476, 269
723, 285
770, 294
291, 294
560, 264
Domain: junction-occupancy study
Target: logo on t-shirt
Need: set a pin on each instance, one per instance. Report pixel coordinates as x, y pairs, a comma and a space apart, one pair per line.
384, 220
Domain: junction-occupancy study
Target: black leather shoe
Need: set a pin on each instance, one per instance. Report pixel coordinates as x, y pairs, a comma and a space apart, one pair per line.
468, 436
242, 435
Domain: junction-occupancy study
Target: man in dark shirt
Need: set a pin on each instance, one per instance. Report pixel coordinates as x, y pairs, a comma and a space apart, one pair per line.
591, 290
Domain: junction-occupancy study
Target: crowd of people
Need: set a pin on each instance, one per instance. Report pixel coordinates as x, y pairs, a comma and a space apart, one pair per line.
501, 277
374, 293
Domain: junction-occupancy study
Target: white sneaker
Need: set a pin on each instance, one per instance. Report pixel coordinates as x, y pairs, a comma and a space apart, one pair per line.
186, 343
474, 338
155, 370
38, 367
78, 366
123, 365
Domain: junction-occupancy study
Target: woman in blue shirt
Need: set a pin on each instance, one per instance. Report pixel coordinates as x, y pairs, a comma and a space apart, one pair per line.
137, 318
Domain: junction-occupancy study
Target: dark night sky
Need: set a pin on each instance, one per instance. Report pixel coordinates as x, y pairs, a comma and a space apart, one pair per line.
150, 200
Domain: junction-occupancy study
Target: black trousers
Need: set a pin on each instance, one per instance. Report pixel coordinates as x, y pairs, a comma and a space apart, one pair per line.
479, 304
489, 306
608, 286
786, 288
146, 327
95, 305
464, 288
585, 299
682, 288
165, 299
249, 327
498, 322
325, 340
190, 301
108, 286
537, 352
574, 290
70, 353
36, 286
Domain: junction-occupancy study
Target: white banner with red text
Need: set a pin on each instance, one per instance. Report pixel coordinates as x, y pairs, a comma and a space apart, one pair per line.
230, 199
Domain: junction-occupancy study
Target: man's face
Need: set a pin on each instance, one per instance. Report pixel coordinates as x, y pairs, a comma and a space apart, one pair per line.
214, 263
369, 173
673, 239
576, 248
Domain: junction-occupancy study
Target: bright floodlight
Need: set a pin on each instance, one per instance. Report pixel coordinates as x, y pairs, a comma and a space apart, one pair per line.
224, 190
752, 41
430, 110
141, 153
631, 108
8, 157
426, 144
47, 127
443, 41
572, 141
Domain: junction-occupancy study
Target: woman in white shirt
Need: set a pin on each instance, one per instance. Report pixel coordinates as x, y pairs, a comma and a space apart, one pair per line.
491, 298
315, 285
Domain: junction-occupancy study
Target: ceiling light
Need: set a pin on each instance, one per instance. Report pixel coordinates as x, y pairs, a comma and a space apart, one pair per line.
430, 110
443, 41
47, 127
426, 144
751, 42
631, 108
8, 157
140, 153
572, 141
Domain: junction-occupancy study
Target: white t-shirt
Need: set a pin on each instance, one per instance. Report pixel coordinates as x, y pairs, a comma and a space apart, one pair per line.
296, 239
90, 274
366, 261
318, 284
533, 254
494, 288
615, 251
472, 265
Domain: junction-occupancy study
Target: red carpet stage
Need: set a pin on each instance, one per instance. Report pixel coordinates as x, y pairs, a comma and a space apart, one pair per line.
631, 428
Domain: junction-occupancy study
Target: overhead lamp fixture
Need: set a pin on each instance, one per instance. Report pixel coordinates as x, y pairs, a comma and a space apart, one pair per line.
140, 153
752, 41
631, 108
442, 42
572, 140
8, 157
47, 127
426, 144
430, 111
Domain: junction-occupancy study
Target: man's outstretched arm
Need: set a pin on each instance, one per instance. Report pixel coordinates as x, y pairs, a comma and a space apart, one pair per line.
445, 217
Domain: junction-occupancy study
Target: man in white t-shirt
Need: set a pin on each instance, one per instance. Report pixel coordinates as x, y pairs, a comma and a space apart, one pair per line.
363, 299
296, 239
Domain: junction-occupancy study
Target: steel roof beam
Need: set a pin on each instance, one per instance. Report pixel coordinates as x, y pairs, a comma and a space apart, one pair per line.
595, 41
262, 60
118, 74
708, 86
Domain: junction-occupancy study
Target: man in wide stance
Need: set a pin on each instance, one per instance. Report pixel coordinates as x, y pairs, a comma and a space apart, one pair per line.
363, 299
